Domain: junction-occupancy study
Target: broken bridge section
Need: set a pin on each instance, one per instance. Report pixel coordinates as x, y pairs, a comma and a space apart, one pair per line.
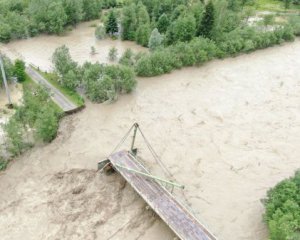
174, 214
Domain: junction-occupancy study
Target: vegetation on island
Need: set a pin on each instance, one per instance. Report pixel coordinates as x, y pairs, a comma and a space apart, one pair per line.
282, 213
100, 82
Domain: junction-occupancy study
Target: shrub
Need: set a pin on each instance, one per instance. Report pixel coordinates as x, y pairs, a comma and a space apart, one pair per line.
127, 58
104, 83
100, 32
113, 54
283, 209
19, 70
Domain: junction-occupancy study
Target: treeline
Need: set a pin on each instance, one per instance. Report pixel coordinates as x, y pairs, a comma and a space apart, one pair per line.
26, 18
201, 50
180, 20
283, 209
100, 82
185, 33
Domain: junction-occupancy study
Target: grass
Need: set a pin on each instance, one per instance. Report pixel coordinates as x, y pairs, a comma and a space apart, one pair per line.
72, 95
275, 6
30, 83
3, 164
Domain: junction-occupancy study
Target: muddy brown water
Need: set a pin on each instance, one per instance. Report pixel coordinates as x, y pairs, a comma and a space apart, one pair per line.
39, 50
228, 131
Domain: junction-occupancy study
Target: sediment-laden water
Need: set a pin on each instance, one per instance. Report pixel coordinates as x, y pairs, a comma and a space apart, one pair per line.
228, 131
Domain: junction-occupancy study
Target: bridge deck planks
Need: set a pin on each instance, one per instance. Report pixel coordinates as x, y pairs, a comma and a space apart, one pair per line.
176, 216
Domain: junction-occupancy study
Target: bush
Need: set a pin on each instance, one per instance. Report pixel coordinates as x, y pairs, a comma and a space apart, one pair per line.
100, 32
3, 164
104, 83
113, 54
19, 70
46, 124
14, 135
127, 58
283, 209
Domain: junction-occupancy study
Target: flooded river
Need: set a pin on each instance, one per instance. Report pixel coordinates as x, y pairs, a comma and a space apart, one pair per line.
39, 50
228, 131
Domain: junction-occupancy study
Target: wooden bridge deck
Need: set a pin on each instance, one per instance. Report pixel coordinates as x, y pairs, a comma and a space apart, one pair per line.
174, 214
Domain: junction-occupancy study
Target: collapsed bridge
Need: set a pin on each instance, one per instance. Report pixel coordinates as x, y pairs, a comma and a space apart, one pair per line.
184, 224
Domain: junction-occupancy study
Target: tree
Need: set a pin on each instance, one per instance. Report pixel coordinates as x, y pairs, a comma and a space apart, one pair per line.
127, 58
113, 54
163, 23
93, 50
100, 32
91, 9
46, 124
65, 67
73, 10
283, 209
143, 34
129, 22
183, 29
19, 70
5, 31
208, 20
14, 133
111, 25
155, 40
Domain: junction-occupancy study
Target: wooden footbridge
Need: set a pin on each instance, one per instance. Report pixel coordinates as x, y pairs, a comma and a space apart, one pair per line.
151, 189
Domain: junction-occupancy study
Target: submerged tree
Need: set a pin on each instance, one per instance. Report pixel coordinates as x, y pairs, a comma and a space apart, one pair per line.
113, 54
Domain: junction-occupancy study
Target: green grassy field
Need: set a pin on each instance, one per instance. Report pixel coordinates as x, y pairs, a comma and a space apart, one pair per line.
275, 6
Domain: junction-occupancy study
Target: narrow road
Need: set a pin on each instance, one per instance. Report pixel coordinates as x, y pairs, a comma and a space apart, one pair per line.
65, 104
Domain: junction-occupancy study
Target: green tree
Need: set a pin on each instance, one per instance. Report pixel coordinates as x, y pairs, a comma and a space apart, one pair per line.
207, 23
113, 54
129, 22
46, 124
19, 70
100, 32
183, 29
127, 58
111, 25
283, 209
14, 134
65, 67
143, 34
163, 23
73, 10
91, 9
155, 40
5, 31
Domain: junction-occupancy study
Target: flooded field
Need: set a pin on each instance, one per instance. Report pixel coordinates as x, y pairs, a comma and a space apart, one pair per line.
228, 131
39, 50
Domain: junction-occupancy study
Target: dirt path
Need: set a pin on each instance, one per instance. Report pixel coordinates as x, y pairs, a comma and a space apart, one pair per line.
228, 131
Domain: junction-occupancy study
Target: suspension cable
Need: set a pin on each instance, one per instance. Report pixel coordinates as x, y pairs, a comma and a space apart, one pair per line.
122, 140
154, 154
